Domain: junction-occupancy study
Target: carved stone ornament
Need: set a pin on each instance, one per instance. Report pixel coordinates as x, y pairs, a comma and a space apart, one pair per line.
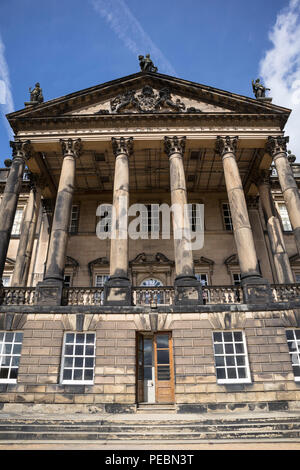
20, 149
148, 101
122, 146
226, 145
71, 147
174, 145
276, 145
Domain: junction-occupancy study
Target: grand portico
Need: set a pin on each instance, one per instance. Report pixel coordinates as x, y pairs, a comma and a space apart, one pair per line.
153, 139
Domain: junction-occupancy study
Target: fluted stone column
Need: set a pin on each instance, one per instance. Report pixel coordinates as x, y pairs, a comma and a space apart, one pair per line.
276, 146
50, 290
10, 198
280, 256
187, 288
21, 269
117, 288
255, 288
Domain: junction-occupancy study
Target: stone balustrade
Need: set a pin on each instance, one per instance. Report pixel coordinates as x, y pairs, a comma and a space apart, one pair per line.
17, 296
152, 296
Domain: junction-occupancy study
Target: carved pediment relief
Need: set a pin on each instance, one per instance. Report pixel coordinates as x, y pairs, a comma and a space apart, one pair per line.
149, 100
158, 258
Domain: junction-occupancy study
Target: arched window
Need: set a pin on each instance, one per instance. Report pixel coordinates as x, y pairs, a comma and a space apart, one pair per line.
151, 282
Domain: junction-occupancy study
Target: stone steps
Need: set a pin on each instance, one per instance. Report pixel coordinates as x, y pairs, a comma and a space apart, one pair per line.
139, 428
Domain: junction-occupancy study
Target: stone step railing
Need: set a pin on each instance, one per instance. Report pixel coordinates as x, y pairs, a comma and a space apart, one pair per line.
17, 296
153, 295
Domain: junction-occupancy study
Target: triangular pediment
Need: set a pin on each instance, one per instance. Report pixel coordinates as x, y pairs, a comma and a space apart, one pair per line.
145, 93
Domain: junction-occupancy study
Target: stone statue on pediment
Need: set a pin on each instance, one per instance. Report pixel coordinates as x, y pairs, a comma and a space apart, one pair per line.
146, 64
36, 96
259, 90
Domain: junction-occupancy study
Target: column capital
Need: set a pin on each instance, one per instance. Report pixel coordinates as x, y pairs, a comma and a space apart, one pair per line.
122, 146
20, 149
226, 144
71, 147
174, 145
277, 145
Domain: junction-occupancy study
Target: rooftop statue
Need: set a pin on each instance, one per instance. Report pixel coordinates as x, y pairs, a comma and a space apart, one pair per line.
36, 96
259, 90
146, 64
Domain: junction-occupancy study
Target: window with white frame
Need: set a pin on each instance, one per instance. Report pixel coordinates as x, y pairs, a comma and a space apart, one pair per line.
67, 280
297, 278
236, 277
287, 227
74, 220
16, 228
202, 278
227, 216
194, 217
231, 359
104, 222
78, 358
100, 279
10, 353
293, 341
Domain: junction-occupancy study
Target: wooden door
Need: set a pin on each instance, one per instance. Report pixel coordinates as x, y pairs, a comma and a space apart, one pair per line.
164, 368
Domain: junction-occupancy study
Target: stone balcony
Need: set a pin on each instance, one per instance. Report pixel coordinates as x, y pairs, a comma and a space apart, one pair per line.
151, 297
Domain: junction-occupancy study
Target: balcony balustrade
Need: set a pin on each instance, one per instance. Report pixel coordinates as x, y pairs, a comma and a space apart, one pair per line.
147, 296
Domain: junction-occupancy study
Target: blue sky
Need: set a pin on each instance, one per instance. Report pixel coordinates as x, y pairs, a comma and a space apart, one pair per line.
68, 45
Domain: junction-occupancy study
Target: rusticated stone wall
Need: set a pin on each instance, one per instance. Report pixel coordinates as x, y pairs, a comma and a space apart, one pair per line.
114, 389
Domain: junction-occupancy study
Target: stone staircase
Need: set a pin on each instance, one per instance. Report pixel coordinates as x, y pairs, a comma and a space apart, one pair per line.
158, 427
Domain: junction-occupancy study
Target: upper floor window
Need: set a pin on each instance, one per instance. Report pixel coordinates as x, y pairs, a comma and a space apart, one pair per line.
10, 352
297, 278
74, 220
231, 359
202, 278
287, 227
78, 358
100, 279
16, 228
6, 279
293, 341
227, 216
236, 277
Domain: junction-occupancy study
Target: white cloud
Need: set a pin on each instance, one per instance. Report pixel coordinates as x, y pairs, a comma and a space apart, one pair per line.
280, 68
6, 99
129, 30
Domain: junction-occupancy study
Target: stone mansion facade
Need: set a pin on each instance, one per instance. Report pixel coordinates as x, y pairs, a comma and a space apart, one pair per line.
91, 321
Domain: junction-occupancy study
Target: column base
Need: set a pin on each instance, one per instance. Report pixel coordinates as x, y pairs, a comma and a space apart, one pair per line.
256, 290
117, 291
188, 291
49, 292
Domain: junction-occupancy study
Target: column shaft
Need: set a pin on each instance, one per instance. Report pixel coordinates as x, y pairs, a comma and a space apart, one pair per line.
238, 207
10, 197
117, 289
119, 241
276, 146
187, 288
21, 269
281, 260
62, 213
255, 288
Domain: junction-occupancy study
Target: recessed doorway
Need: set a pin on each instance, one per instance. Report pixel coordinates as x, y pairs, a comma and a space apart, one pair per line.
155, 369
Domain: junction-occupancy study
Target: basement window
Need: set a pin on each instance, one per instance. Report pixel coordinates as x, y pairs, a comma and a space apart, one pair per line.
10, 352
78, 358
293, 341
231, 358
